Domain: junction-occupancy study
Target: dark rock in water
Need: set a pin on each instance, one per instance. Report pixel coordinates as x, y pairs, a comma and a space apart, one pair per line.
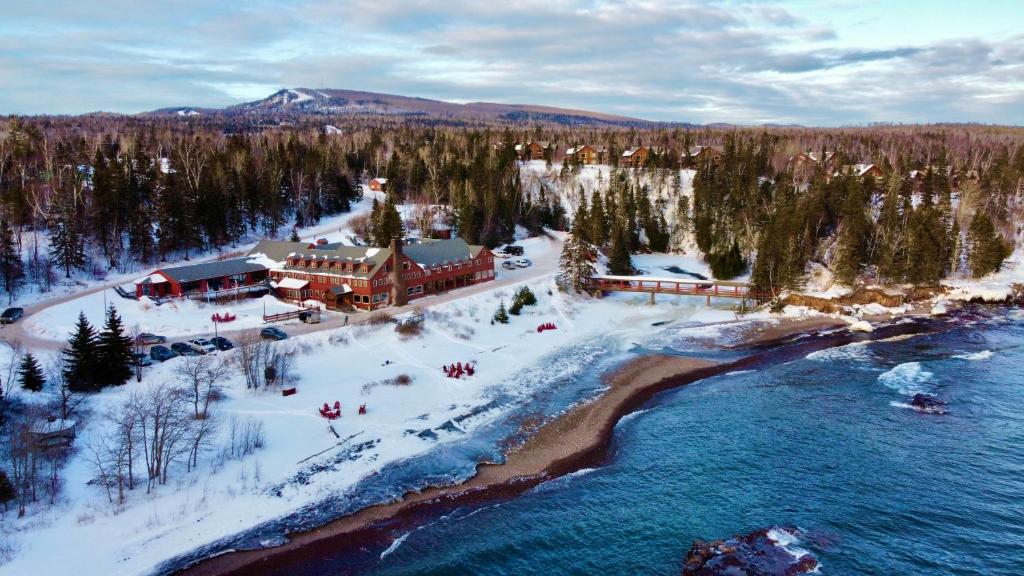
756, 554
928, 404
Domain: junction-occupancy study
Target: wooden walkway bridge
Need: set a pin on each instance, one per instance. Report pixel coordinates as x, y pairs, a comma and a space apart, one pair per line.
742, 291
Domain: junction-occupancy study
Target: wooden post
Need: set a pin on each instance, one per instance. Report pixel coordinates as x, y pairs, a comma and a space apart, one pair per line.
651, 302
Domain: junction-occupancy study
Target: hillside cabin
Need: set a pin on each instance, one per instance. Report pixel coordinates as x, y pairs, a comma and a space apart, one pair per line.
371, 278
584, 154
635, 157
533, 150
378, 184
697, 155
205, 280
863, 170
803, 164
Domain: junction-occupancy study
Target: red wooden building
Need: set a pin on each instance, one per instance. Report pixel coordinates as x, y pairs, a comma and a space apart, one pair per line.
371, 278
207, 279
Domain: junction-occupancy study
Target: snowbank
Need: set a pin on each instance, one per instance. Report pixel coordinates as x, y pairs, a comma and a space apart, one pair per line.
174, 319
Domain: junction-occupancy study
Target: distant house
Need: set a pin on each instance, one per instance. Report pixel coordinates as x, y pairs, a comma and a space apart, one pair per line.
371, 278
635, 157
803, 164
208, 279
697, 155
862, 170
585, 154
533, 150
378, 184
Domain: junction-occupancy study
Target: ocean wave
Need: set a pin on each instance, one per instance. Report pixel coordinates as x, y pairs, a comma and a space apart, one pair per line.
555, 483
906, 378
631, 416
983, 355
739, 372
394, 545
852, 351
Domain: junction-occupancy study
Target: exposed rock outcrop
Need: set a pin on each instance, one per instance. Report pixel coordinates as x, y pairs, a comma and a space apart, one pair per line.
760, 553
928, 404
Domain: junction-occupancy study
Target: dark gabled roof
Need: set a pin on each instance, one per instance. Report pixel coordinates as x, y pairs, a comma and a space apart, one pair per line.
207, 270
426, 253
429, 254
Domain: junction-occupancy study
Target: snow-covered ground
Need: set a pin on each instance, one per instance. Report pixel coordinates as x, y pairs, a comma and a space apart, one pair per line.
85, 281
174, 319
354, 365
992, 288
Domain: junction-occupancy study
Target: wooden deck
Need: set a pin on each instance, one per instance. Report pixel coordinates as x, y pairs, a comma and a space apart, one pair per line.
742, 291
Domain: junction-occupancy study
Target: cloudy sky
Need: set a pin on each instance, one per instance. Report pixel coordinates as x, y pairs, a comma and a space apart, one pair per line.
815, 63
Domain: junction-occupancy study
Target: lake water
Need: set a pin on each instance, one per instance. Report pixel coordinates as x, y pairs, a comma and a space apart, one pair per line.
825, 443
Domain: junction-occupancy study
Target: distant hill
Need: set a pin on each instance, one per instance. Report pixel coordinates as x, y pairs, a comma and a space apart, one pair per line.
298, 102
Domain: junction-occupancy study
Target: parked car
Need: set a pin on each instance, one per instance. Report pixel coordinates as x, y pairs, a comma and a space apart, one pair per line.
162, 353
142, 359
500, 254
184, 349
523, 262
221, 343
513, 250
508, 265
273, 333
202, 345
147, 338
11, 315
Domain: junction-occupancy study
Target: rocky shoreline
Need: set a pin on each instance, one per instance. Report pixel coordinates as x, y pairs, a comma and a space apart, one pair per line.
576, 440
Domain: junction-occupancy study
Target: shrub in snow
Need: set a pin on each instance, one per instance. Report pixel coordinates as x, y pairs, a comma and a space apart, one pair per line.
523, 297
501, 316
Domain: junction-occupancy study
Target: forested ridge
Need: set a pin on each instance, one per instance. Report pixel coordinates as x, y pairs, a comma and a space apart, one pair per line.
92, 194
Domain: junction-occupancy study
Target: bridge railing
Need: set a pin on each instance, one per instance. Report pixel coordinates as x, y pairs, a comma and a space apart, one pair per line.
694, 287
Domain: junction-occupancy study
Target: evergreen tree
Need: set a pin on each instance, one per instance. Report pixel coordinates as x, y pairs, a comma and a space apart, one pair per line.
7, 493
597, 232
501, 316
30, 375
523, 297
66, 244
986, 249
576, 265
114, 351
294, 236
388, 225
80, 357
727, 264
12, 269
619, 261
854, 235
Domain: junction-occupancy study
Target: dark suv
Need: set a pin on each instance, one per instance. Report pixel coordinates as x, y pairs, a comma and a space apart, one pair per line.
11, 315
513, 250
162, 353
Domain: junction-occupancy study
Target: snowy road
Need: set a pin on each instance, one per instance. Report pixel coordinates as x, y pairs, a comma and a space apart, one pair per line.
543, 252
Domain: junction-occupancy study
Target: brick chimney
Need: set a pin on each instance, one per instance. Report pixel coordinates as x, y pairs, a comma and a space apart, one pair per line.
399, 294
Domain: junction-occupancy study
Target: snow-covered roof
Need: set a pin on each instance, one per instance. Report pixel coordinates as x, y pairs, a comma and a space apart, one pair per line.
152, 279
380, 180
292, 284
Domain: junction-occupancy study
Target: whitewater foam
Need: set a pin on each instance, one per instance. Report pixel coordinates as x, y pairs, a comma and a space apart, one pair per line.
906, 378
852, 351
983, 355
394, 545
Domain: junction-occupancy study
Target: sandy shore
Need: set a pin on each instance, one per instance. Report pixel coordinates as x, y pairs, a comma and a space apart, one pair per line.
576, 440
767, 333
565, 444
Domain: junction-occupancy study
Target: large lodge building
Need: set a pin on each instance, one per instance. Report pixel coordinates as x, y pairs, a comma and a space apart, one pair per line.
339, 276
371, 278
